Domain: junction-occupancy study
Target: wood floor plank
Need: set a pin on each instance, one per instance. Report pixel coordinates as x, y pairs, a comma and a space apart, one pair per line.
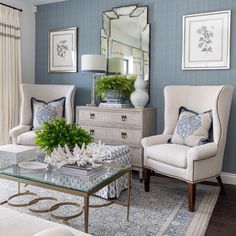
223, 219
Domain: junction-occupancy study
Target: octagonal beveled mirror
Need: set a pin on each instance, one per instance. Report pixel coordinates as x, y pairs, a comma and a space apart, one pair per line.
125, 41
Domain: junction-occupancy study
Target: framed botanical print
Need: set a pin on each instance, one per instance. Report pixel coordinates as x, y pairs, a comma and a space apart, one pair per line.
63, 50
206, 41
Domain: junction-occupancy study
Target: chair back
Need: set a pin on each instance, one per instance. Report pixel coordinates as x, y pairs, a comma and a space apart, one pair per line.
46, 93
200, 99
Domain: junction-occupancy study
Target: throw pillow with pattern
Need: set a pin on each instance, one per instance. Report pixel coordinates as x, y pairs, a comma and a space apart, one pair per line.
192, 129
44, 111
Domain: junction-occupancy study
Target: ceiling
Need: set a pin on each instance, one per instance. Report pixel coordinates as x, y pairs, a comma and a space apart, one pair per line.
41, 2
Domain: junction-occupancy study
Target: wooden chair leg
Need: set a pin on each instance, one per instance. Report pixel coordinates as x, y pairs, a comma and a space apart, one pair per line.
191, 196
146, 176
221, 184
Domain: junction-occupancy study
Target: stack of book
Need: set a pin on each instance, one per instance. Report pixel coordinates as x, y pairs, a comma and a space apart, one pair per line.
86, 174
114, 105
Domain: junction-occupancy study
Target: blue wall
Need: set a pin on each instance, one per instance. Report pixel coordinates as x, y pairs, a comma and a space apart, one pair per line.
165, 17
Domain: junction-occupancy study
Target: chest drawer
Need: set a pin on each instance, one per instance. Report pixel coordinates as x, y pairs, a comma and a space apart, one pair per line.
124, 136
118, 117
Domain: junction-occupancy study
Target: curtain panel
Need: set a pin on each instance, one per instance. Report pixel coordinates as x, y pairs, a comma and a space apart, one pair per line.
10, 70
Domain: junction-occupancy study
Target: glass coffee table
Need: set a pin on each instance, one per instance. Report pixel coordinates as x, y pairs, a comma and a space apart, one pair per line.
54, 180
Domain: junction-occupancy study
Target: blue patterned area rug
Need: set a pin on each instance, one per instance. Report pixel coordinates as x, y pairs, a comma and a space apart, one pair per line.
162, 211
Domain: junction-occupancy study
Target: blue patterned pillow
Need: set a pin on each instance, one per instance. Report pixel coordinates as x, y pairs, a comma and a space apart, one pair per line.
192, 129
44, 111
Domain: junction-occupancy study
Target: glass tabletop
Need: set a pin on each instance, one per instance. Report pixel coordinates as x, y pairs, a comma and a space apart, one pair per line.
54, 176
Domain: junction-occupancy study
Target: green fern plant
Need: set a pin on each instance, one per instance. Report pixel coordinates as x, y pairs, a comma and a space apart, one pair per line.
60, 133
120, 83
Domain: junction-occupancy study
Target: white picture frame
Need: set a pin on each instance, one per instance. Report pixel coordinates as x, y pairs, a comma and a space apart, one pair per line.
62, 56
206, 41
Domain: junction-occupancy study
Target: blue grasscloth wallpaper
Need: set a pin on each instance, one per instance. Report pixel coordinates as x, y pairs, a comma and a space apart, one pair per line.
165, 17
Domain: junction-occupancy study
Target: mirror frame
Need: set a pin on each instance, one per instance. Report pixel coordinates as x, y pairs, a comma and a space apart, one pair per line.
105, 34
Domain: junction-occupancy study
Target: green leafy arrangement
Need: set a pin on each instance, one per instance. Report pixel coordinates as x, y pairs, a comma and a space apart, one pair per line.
60, 133
119, 83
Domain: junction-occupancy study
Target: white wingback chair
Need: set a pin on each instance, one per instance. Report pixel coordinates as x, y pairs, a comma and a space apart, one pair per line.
191, 164
22, 134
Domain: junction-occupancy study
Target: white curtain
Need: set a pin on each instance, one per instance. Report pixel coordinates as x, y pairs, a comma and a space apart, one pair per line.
10, 70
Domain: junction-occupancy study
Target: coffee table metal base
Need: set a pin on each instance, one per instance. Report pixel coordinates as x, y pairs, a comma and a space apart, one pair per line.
85, 195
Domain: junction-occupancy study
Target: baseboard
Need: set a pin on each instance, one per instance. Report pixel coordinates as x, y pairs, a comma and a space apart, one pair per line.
227, 178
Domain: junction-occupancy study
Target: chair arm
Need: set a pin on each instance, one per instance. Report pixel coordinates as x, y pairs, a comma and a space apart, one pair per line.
202, 152
154, 140
16, 131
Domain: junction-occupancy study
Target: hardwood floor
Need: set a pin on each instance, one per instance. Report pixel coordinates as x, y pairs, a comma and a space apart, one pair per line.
223, 219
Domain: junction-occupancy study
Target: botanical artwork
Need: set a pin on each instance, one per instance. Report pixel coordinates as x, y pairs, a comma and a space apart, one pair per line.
63, 50
206, 41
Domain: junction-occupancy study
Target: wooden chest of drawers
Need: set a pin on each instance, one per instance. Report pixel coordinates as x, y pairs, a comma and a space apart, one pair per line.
119, 126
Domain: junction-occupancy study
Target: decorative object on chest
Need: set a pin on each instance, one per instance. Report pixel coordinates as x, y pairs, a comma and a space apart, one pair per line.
119, 126
96, 65
115, 90
139, 97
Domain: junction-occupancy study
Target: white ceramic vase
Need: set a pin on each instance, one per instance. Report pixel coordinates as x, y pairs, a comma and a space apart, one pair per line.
139, 97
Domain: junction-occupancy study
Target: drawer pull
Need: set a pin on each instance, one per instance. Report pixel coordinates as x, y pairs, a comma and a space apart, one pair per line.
123, 118
123, 135
92, 116
92, 131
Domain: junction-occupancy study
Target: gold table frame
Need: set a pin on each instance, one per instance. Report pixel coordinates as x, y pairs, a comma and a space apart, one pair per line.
85, 195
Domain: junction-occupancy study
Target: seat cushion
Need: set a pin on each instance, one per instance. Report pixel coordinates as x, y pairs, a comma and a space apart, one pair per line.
27, 138
170, 154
